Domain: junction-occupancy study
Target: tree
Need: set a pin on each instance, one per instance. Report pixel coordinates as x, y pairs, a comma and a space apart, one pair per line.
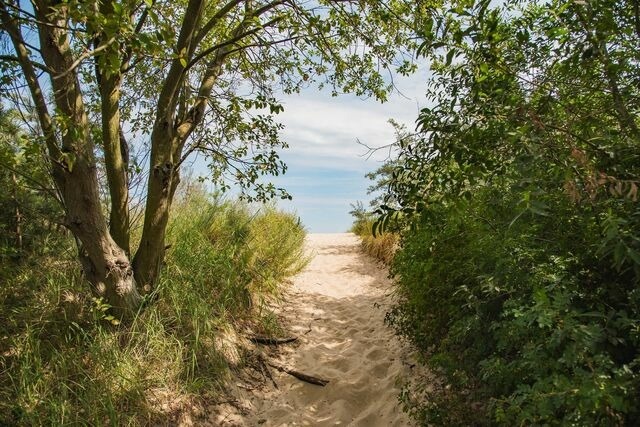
192, 76
384, 175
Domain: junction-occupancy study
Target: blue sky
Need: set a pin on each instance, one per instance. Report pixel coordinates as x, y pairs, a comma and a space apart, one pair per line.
326, 163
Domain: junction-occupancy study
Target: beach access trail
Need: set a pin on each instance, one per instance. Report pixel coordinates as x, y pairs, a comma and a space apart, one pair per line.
336, 309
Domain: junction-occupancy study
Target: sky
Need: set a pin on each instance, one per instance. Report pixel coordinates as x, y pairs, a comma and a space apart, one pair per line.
326, 164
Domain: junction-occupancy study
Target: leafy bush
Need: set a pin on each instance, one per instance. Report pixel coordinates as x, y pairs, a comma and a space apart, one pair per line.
523, 319
362, 219
381, 246
65, 362
519, 267
28, 225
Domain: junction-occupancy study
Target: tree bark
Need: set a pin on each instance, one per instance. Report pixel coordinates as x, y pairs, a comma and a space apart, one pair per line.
165, 154
115, 162
163, 181
105, 264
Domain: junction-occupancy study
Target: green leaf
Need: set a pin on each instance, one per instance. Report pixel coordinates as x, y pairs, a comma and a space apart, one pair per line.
450, 55
635, 256
68, 159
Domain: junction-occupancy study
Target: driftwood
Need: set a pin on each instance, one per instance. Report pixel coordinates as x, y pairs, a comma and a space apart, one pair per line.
259, 339
299, 375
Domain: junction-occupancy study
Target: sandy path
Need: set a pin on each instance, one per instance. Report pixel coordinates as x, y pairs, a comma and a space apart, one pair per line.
336, 307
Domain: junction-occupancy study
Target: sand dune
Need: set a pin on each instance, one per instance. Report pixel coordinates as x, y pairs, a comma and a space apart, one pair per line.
336, 307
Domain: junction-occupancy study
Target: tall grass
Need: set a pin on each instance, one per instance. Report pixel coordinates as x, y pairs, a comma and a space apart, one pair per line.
62, 362
380, 246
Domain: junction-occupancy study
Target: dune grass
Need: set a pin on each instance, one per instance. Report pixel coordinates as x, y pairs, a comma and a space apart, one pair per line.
380, 246
63, 362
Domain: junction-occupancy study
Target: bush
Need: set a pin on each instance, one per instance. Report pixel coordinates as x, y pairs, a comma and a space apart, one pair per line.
519, 267
527, 321
380, 246
65, 362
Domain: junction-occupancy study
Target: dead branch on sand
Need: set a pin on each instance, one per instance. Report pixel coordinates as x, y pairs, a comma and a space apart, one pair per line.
259, 339
299, 375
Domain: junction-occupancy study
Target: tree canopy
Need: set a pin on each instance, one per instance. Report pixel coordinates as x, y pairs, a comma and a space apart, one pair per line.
185, 77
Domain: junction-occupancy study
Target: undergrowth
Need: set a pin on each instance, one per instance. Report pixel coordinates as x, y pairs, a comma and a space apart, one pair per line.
63, 362
381, 246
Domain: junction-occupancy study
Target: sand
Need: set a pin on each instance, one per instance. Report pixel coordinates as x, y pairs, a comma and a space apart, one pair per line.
336, 307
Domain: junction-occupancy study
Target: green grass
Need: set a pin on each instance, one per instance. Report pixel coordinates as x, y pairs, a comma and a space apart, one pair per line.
62, 363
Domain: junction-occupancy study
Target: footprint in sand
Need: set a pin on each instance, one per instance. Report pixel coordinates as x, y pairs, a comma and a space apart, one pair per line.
376, 353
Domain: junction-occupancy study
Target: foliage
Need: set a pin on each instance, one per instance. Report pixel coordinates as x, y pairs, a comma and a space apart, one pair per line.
186, 77
30, 206
361, 217
65, 361
380, 246
384, 175
519, 265
378, 242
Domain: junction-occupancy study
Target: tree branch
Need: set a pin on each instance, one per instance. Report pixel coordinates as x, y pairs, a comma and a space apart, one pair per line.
39, 185
126, 57
167, 98
84, 56
11, 58
229, 42
636, 16
208, 26
32, 80
624, 117
34, 20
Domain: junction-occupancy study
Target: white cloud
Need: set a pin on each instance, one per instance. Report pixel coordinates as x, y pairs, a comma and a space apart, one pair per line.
326, 164
324, 131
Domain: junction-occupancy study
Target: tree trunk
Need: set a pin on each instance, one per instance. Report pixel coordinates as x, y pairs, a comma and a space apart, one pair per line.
74, 170
163, 181
166, 148
105, 264
116, 150
115, 159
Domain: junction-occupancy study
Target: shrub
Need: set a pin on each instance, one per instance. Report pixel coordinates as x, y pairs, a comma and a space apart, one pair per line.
519, 267
381, 246
526, 321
